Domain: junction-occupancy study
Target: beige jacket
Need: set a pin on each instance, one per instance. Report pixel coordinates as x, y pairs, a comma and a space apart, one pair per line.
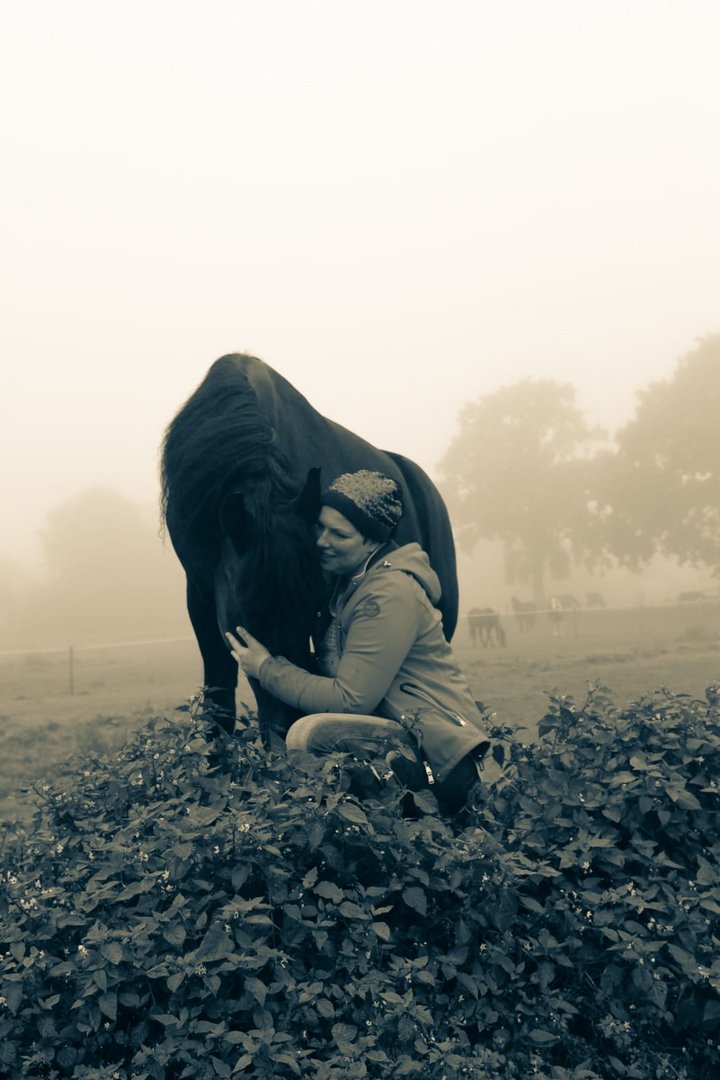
385, 654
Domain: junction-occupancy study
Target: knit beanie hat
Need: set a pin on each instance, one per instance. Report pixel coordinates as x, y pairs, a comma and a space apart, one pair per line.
371, 501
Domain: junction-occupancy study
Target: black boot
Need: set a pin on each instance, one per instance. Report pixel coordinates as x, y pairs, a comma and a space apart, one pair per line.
456, 790
409, 769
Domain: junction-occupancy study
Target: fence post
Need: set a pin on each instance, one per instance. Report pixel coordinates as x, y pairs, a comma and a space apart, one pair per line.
71, 665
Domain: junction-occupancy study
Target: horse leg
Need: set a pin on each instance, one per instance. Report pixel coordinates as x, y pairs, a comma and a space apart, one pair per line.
219, 667
274, 717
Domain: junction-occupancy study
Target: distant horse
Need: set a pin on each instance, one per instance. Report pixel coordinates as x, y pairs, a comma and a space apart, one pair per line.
524, 613
485, 626
594, 599
242, 466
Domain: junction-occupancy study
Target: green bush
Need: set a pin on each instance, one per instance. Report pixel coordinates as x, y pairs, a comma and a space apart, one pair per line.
169, 916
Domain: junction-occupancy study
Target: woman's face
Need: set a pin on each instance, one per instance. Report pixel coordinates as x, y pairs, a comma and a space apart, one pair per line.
342, 548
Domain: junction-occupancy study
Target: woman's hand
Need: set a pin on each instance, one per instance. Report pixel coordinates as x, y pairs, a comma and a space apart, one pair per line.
249, 653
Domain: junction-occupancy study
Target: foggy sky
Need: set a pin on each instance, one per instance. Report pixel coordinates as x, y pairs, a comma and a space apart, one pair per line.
401, 205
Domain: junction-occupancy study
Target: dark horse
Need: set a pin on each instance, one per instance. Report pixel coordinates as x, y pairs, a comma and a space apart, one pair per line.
242, 465
484, 623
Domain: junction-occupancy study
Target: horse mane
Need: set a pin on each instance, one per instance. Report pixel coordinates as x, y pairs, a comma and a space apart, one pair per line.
218, 443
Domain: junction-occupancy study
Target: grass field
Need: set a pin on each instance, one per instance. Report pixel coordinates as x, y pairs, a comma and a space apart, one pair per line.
50, 711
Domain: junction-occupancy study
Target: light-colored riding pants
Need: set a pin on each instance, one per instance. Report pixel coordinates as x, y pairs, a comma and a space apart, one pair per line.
366, 736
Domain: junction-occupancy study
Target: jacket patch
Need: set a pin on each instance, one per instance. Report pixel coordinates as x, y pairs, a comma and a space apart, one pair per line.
370, 609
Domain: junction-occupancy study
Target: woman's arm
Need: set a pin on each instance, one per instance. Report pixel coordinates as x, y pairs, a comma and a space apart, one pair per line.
381, 632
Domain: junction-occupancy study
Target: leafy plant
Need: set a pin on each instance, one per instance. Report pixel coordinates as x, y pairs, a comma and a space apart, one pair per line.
199, 908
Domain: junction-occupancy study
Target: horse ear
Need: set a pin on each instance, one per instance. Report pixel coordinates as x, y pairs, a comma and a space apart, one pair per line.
308, 501
234, 516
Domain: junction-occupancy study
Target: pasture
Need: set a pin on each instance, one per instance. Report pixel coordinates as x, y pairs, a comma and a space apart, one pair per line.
50, 713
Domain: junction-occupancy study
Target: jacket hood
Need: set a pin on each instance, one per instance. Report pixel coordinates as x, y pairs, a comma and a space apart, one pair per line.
411, 559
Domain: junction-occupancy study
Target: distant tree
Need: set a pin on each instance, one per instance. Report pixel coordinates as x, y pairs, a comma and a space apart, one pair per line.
518, 471
94, 540
106, 568
661, 491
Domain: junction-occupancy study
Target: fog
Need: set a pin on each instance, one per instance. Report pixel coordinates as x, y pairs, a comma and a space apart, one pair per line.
400, 206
